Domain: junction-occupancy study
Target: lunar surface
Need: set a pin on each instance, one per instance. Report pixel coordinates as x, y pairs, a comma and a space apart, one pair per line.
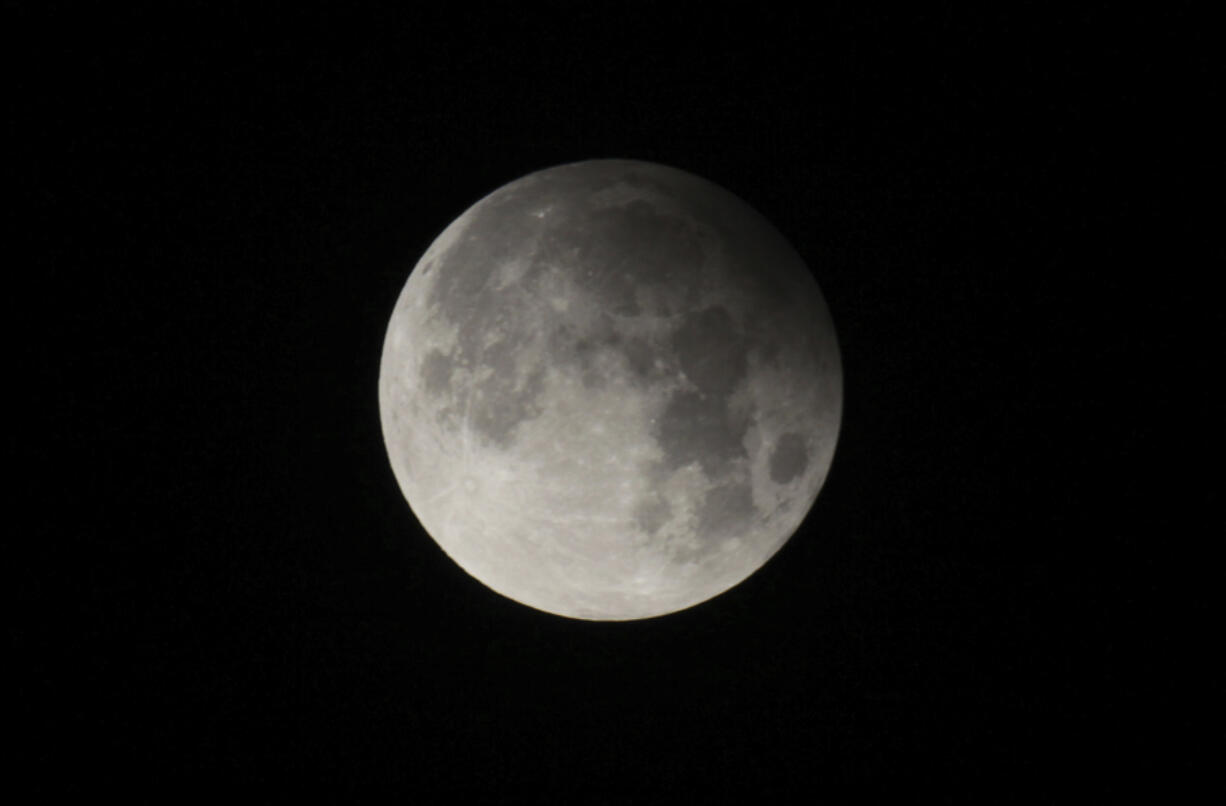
610, 390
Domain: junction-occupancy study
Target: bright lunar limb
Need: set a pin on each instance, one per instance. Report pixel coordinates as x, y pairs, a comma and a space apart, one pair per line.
610, 390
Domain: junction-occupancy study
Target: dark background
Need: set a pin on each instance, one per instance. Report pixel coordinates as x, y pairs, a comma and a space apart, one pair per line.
997, 597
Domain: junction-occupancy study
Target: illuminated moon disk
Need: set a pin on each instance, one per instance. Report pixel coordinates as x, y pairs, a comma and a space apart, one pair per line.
610, 390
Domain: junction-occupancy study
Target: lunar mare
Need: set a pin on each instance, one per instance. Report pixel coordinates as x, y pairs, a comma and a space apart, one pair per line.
610, 390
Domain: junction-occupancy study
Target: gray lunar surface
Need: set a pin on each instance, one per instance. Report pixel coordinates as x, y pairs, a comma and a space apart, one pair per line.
610, 390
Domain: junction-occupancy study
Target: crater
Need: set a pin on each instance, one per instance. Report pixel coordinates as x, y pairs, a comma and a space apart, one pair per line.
789, 458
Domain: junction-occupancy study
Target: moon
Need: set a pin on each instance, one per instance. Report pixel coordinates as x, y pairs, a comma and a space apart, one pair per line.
610, 390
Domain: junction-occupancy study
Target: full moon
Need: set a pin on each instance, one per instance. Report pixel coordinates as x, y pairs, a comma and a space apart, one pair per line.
610, 390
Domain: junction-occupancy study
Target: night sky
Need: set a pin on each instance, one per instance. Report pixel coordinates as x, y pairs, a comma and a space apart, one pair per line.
997, 597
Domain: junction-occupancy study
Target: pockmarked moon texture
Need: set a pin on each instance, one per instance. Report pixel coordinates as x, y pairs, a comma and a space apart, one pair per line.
610, 390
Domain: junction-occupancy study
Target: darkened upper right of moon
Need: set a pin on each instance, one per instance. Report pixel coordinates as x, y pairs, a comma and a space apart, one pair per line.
637, 241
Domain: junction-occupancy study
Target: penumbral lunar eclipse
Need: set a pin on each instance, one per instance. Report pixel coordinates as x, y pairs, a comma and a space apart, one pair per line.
610, 390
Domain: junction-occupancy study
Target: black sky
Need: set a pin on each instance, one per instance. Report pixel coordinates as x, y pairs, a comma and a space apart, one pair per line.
996, 597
